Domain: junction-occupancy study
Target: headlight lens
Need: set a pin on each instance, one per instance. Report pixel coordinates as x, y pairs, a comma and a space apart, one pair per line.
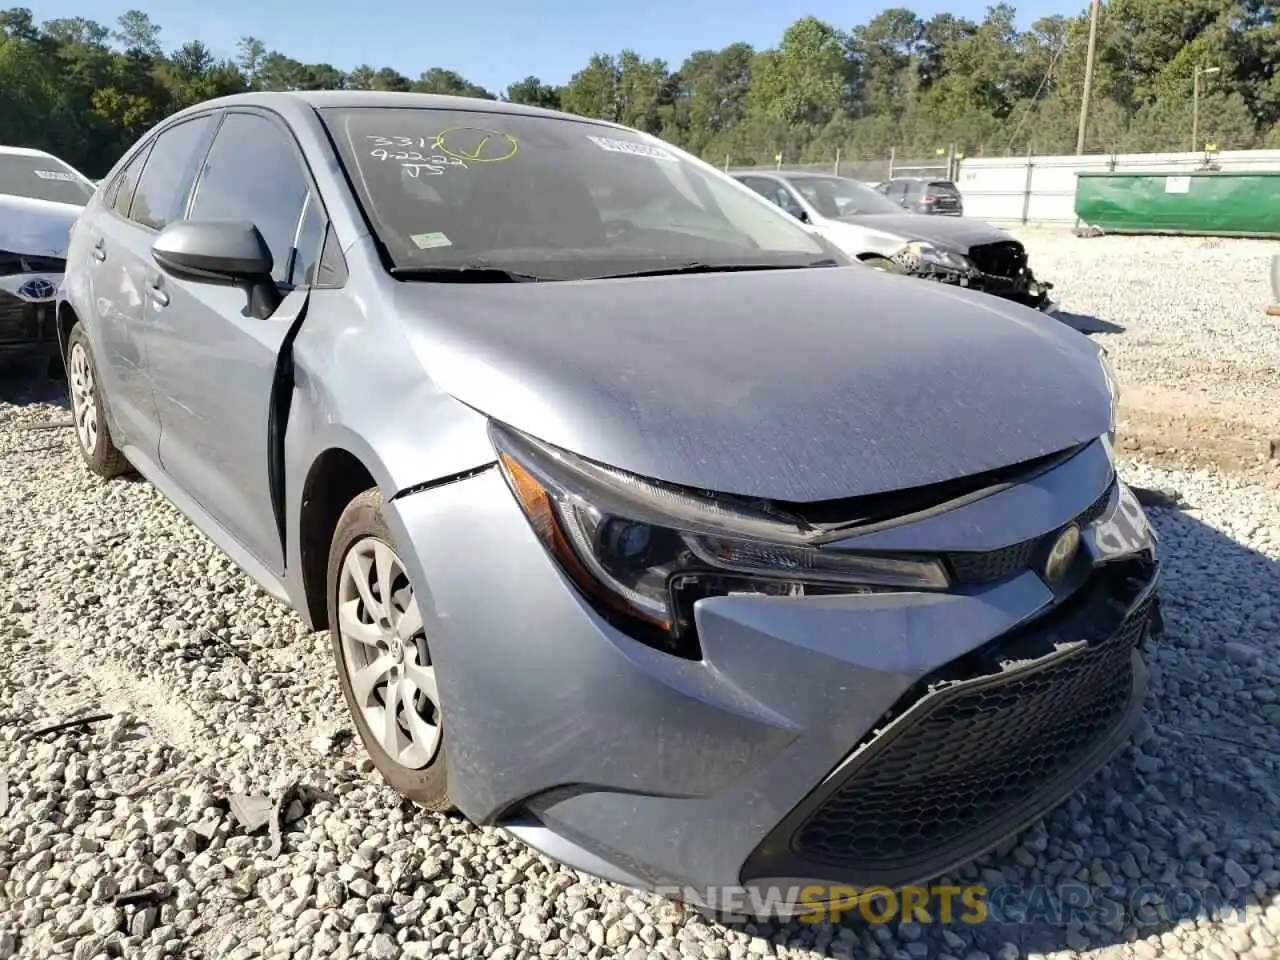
919, 253
645, 552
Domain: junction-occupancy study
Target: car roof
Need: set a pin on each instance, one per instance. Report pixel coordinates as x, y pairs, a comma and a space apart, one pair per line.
785, 174
25, 152
286, 100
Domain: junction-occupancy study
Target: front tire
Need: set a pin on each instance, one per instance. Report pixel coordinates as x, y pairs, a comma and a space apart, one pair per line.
384, 663
93, 436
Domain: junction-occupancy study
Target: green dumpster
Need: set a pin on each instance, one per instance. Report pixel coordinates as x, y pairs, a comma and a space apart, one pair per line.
1218, 204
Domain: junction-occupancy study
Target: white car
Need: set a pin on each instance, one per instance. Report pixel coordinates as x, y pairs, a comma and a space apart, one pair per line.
873, 229
40, 198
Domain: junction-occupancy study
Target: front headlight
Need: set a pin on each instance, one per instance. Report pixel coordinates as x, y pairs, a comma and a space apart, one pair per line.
919, 253
643, 552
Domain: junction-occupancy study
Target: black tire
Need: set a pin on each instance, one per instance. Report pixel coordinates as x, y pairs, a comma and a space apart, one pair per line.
101, 457
883, 264
426, 786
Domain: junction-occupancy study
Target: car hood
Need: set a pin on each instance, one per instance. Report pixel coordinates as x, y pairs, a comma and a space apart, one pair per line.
955, 233
795, 385
38, 228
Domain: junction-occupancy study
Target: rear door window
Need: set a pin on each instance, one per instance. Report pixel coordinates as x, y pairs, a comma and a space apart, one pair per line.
161, 195
122, 190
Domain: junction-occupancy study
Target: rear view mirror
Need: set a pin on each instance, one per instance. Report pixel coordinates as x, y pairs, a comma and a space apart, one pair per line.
213, 251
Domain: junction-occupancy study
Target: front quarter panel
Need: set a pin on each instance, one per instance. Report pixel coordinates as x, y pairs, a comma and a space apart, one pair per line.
859, 241
360, 389
359, 386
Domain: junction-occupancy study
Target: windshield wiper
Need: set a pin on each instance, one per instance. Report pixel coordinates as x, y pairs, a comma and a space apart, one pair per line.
464, 273
700, 267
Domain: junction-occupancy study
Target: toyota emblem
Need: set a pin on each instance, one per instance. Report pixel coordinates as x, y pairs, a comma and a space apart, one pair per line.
37, 288
1062, 554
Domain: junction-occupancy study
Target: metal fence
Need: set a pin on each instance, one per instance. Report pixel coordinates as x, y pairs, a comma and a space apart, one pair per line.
1043, 189
869, 171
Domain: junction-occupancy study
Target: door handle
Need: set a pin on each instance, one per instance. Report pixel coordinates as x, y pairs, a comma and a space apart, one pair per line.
98, 251
157, 294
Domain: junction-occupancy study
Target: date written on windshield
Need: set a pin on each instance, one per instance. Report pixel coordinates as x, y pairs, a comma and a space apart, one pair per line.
415, 162
416, 157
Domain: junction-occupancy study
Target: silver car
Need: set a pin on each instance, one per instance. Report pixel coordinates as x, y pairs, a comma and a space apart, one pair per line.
868, 227
40, 198
645, 525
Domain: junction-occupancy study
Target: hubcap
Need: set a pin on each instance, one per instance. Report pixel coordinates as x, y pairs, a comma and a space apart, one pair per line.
385, 650
83, 406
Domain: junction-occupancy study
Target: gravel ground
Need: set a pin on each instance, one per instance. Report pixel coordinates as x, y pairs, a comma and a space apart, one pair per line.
1185, 313
1185, 322
116, 838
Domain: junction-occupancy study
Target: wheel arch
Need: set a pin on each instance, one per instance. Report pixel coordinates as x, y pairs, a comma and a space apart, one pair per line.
335, 477
66, 318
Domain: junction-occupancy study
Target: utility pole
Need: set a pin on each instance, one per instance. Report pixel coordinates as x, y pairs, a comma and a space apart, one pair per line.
1195, 103
1088, 76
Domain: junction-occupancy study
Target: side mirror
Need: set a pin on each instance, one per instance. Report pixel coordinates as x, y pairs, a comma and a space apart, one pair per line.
802, 216
213, 251
220, 251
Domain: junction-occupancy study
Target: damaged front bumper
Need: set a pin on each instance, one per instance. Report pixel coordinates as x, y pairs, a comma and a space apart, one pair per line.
1012, 279
829, 740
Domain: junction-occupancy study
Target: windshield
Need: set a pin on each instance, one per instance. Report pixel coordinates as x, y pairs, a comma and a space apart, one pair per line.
42, 178
840, 197
551, 198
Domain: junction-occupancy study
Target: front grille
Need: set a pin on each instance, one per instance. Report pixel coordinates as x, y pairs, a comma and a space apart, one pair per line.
1005, 259
24, 322
987, 566
969, 756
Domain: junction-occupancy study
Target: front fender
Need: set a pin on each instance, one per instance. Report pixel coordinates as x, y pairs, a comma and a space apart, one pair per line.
859, 242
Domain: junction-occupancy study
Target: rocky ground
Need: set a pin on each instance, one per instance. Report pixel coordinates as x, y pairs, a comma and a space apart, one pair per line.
1185, 322
206, 715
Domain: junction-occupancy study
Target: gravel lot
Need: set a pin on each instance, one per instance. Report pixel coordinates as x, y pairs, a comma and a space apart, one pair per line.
1184, 319
116, 838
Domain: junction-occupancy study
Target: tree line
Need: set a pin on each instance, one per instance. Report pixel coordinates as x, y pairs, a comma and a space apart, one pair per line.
85, 91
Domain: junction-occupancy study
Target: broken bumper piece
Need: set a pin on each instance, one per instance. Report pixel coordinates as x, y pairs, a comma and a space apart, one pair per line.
997, 269
981, 748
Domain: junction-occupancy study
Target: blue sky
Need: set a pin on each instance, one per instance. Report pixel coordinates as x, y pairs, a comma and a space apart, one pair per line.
494, 42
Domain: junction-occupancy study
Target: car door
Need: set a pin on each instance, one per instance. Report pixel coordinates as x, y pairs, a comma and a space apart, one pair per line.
213, 363
151, 190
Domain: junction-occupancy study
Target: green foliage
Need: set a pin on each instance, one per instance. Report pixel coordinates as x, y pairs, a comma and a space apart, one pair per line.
85, 91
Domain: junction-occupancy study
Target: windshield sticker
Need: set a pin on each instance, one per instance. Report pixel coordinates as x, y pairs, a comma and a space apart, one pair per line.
476, 144
425, 241
56, 175
637, 149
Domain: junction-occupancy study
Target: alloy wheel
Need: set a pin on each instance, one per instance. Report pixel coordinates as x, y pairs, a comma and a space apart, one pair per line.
384, 648
84, 403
